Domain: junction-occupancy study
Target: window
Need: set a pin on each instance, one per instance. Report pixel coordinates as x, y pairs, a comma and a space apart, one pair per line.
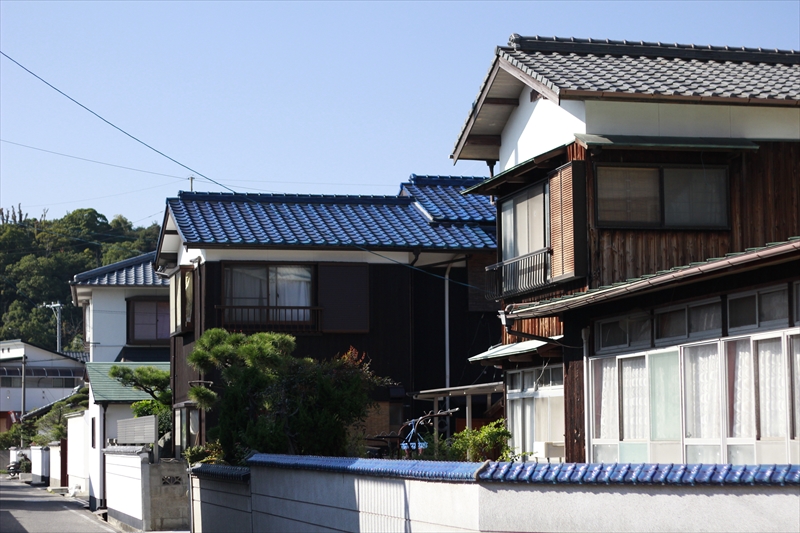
181, 290
731, 400
268, 293
623, 332
524, 222
148, 322
536, 410
768, 307
662, 197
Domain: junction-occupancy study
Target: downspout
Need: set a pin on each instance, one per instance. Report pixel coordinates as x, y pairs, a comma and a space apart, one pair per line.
585, 337
102, 503
447, 337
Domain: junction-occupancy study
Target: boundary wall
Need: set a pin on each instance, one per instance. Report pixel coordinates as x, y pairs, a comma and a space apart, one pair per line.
300, 493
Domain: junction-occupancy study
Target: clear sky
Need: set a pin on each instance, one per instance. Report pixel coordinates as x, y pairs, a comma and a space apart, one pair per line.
288, 97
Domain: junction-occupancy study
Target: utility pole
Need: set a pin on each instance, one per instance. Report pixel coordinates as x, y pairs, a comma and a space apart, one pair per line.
22, 410
56, 307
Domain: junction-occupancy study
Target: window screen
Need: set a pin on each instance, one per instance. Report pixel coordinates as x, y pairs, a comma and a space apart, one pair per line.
628, 195
695, 197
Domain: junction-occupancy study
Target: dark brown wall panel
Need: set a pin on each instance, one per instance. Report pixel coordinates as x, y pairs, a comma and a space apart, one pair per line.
344, 297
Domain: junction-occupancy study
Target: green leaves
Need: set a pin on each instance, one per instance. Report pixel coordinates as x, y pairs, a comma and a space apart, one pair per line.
149, 379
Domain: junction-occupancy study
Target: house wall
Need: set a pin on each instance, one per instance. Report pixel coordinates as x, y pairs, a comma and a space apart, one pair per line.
691, 120
35, 397
534, 128
107, 326
78, 436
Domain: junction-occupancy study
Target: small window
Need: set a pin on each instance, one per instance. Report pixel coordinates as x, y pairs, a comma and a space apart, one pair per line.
671, 324
148, 322
769, 307
523, 221
623, 332
705, 318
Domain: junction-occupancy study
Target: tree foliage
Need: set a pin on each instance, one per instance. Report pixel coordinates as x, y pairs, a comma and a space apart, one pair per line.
273, 402
39, 257
154, 382
53, 425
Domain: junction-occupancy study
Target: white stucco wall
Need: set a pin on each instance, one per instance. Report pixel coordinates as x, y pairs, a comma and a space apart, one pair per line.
537, 127
124, 479
105, 429
692, 120
79, 444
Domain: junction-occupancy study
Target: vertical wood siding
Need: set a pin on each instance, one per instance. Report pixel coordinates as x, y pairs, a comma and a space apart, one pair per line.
574, 438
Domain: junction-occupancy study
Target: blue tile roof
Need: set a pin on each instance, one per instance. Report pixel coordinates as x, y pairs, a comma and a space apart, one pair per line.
221, 472
283, 220
134, 272
441, 197
543, 473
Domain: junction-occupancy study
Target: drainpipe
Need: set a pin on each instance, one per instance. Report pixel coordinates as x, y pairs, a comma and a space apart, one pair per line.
102, 503
585, 337
447, 337
22, 411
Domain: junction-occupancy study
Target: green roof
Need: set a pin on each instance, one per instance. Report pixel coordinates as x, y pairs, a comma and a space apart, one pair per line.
108, 389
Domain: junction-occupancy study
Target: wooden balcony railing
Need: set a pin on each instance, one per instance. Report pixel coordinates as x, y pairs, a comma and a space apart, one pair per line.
518, 275
283, 319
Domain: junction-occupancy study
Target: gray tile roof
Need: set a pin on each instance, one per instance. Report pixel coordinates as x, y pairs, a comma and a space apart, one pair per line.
656, 68
134, 272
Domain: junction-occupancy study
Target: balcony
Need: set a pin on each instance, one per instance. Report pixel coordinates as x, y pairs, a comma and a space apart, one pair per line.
518, 275
280, 319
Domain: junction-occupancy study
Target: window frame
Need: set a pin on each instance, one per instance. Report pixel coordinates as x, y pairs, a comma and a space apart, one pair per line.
629, 345
759, 325
523, 393
662, 224
180, 323
131, 321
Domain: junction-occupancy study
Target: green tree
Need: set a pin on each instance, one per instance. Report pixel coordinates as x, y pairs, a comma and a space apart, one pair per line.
52, 426
273, 402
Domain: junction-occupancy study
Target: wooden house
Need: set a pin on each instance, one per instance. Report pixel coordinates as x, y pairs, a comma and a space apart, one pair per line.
397, 277
617, 165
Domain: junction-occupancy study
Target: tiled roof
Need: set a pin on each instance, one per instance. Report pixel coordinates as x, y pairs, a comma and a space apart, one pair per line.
108, 389
441, 198
649, 281
323, 221
221, 472
543, 473
134, 272
78, 356
606, 66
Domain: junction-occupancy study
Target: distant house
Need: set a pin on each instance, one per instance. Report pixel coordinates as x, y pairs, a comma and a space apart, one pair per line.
397, 277
109, 401
620, 167
49, 377
126, 311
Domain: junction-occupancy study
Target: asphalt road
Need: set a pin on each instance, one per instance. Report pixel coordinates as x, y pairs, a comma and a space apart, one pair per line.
26, 509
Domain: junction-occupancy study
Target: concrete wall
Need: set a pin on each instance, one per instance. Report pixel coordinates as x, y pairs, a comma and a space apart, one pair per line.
40, 464
56, 476
395, 499
219, 505
144, 496
78, 437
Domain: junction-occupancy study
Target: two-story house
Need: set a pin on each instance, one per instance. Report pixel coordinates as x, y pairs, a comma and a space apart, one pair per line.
397, 277
620, 165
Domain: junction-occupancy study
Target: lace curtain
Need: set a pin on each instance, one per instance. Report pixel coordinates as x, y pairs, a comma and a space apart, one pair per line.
701, 375
605, 399
742, 400
290, 287
771, 389
634, 398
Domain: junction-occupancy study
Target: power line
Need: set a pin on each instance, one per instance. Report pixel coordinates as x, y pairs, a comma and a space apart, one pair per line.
59, 91
92, 160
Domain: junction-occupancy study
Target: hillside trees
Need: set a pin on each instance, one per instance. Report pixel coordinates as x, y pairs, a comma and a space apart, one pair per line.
39, 257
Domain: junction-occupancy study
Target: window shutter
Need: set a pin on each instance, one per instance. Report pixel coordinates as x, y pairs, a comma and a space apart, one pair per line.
344, 297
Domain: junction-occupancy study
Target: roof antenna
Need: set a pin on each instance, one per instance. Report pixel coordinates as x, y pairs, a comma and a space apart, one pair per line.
191, 183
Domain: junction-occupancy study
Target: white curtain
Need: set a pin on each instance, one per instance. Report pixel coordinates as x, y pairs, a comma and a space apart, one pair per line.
634, 398
246, 287
605, 399
742, 398
517, 424
795, 351
290, 287
771, 389
701, 374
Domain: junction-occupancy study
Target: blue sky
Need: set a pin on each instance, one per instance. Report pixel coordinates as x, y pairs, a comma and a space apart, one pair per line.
287, 97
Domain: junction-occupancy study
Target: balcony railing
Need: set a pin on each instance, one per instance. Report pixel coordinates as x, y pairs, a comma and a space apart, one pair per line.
255, 318
518, 275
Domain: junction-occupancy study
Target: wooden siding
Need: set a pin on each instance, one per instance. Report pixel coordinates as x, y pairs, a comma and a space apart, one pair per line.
764, 207
574, 437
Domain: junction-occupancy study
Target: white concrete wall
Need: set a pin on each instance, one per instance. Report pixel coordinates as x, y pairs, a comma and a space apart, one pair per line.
522, 507
40, 464
302, 500
55, 466
79, 444
124, 485
537, 127
692, 120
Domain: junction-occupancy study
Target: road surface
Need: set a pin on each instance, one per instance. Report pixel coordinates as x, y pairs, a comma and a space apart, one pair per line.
26, 509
